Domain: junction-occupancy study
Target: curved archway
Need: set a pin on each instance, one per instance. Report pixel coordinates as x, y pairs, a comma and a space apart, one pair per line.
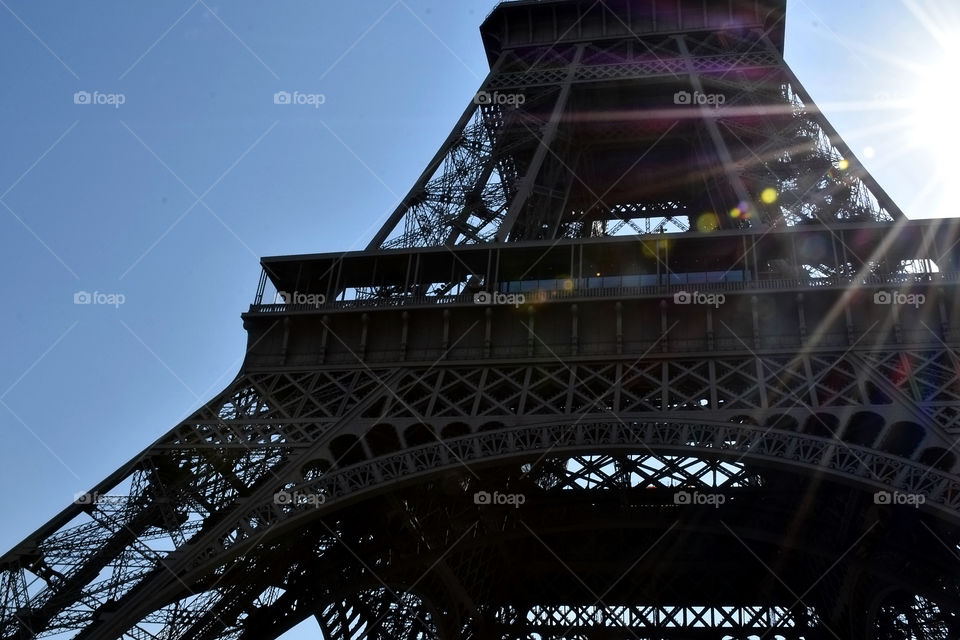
455, 430
419, 434
938, 458
859, 467
863, 428
347, 450
822, 425
783, 421
903, 438
382, 439
491, 426
852, 464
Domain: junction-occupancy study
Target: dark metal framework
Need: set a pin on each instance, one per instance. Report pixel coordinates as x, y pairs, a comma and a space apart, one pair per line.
626, 363
597, 146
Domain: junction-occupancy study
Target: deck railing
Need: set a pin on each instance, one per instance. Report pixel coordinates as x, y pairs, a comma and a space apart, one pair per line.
662, 290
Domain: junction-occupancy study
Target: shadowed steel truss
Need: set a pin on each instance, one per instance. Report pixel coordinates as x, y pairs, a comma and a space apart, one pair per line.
645, 353
512, 172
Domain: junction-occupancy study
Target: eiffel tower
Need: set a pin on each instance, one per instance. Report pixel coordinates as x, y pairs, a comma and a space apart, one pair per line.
644, 353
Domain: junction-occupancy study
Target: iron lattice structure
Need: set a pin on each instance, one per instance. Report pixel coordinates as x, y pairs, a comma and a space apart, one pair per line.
645, 353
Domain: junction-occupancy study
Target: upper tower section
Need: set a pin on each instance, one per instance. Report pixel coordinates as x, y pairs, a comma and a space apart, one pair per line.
549, 23
634, 117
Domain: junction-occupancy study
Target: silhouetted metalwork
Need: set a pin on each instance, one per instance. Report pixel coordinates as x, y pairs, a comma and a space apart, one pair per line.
645, 353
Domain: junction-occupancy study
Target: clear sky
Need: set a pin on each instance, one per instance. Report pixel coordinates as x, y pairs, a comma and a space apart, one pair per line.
170, 198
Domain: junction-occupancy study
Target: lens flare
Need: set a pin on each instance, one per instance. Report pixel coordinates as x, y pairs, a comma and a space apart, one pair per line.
769, 195
708, 222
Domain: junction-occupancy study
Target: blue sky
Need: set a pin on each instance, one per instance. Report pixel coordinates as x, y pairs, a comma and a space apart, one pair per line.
170, 198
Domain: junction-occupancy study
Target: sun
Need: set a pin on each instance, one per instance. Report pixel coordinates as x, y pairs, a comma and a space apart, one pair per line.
932, 108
